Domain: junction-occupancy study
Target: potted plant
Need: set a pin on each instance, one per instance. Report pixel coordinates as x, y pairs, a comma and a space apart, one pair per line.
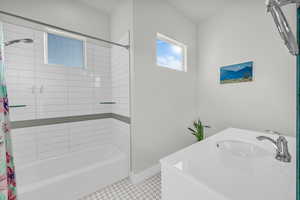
198, 130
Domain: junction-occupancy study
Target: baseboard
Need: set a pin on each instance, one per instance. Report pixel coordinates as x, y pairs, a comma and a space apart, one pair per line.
147, 173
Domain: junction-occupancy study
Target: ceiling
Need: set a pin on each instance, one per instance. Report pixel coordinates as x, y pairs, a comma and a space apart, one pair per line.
199, 9
194, 9
106, 6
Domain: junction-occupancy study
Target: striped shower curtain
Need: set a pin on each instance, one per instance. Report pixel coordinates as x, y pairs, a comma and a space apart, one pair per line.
7, 169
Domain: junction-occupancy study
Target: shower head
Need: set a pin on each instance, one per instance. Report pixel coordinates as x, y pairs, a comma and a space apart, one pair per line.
281, 2
25, 40
274, 7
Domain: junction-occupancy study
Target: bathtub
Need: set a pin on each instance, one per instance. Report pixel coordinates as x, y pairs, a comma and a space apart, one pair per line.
72, 176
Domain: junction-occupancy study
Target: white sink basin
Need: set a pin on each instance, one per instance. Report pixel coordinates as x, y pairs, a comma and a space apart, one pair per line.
241, 149
231, 165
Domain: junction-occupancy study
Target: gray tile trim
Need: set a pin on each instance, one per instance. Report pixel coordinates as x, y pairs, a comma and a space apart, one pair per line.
122, 118
60, 120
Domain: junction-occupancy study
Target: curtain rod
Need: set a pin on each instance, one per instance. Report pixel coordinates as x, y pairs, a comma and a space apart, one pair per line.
63, 29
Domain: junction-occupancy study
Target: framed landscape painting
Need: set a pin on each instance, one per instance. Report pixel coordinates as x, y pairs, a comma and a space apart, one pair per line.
237, 73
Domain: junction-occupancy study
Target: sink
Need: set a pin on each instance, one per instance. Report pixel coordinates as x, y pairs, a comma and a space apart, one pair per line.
241, 149
229, 165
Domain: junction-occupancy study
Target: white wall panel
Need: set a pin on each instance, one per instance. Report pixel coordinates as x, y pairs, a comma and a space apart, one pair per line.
266, 103
161, 95
54, 91
20, 72
24, 145
45, 142
51, 90
52, 140
120, 77
121, 135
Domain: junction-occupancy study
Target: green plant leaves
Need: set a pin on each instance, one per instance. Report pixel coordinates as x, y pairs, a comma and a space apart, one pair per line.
192, 130
198, 130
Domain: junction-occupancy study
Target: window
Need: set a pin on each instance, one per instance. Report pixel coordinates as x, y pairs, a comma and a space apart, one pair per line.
170, 53
63, 49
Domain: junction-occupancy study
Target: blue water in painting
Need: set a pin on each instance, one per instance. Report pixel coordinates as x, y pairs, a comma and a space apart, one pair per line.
238, 71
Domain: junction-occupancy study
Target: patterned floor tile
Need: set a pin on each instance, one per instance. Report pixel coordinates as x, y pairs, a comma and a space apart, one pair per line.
150, 189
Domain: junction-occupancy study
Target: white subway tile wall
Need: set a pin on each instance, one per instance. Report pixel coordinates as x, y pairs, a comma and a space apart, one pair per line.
121, 135
25, 146
120, 77
50, 90
45, 142
102, 79
54, 91
20, 72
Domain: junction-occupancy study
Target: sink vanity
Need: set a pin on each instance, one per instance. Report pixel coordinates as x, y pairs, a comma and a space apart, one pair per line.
231, 165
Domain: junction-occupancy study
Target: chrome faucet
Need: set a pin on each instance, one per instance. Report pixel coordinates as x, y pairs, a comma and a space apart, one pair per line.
281, 146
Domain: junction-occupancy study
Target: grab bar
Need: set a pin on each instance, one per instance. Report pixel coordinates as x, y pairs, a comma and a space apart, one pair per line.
108, 102
17, 106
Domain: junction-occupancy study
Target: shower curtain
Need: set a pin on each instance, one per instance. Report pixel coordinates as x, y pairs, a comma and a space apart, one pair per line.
7, 169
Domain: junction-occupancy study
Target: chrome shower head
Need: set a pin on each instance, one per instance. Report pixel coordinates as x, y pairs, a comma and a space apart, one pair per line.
268, 4
274, 7
281, 2
25, 40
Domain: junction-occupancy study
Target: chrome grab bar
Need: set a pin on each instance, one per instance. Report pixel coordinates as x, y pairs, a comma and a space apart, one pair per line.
108, 102
17, 106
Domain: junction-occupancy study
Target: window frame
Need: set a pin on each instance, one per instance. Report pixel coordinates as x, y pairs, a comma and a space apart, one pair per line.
165, 38
68, 35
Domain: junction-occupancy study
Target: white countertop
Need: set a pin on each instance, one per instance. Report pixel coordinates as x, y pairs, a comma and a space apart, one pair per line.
237, 177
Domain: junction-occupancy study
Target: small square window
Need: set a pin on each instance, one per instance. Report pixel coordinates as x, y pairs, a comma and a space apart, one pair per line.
170, 53
65, 51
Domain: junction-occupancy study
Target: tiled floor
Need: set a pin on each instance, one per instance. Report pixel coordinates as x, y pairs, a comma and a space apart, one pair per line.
124, 190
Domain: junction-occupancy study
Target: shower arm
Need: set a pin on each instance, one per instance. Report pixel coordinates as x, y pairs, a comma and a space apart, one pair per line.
286, 2
282, 2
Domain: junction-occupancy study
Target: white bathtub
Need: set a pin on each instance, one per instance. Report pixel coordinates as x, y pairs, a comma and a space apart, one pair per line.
72, 176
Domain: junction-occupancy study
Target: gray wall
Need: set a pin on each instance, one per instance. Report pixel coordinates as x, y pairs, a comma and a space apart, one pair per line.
245, 32
121, 19
63, 13
163, 100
